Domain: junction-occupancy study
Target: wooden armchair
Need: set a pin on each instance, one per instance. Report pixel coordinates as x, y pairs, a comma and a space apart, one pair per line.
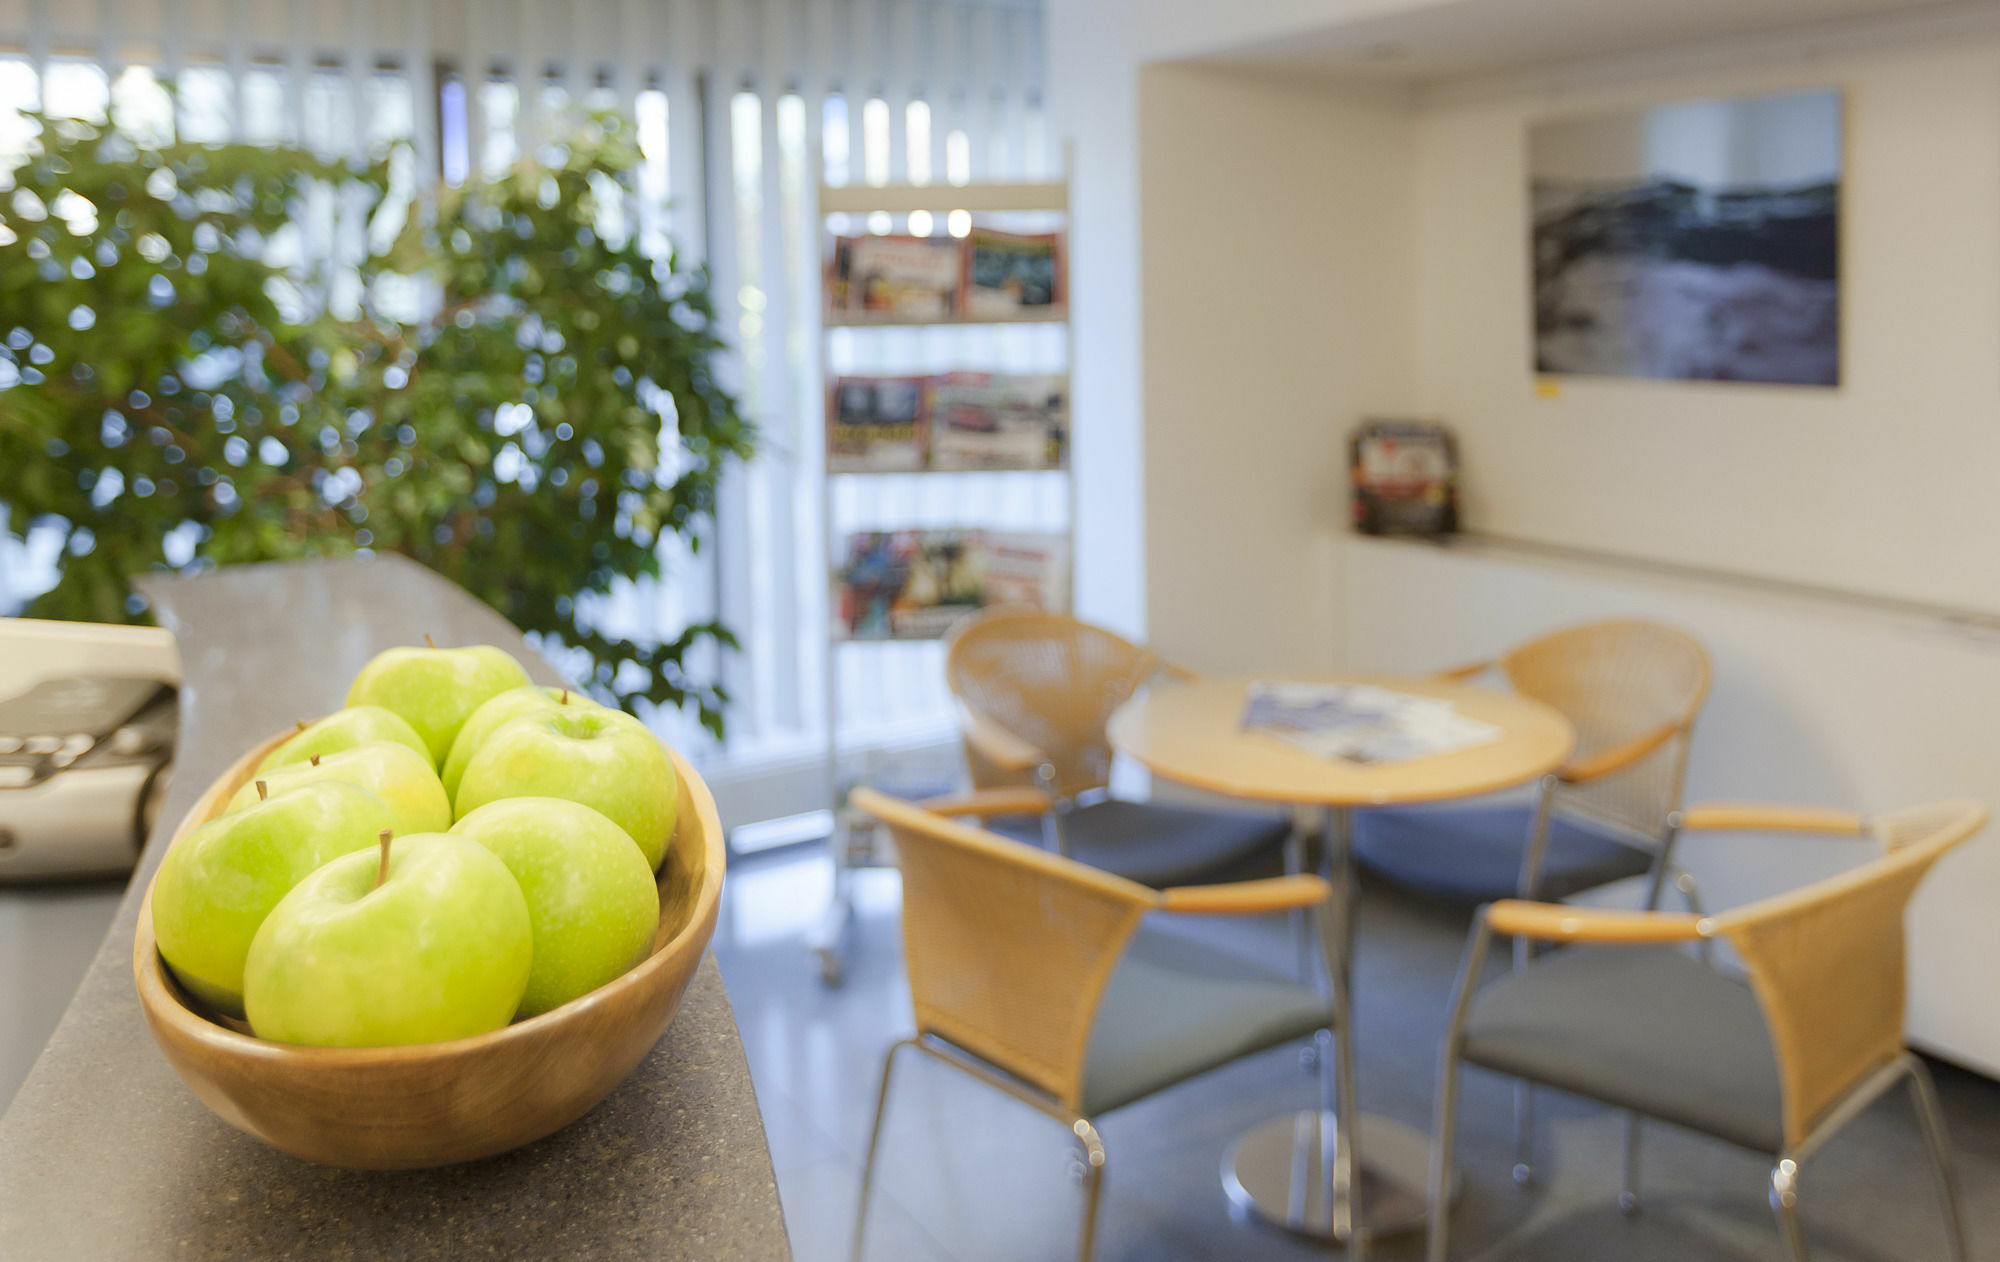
1632, 691
1035, 691
1628, 1017
1034, 974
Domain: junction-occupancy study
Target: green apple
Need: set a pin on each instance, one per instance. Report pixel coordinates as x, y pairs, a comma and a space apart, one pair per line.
591, 898
344, 729
218, 883
426, 942
606, 760
399, 775
512, 704
436, 689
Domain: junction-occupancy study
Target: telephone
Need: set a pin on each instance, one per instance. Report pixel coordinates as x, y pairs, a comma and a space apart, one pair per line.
87, 728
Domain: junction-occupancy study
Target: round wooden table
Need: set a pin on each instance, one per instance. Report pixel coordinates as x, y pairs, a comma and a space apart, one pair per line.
1191, 732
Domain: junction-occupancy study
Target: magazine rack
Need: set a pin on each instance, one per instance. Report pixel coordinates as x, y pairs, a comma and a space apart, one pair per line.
855, 848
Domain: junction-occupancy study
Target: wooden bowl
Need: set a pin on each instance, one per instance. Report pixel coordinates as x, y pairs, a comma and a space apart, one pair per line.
433, 1104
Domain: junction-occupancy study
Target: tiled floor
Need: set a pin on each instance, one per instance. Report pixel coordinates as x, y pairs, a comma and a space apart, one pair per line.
970, 1176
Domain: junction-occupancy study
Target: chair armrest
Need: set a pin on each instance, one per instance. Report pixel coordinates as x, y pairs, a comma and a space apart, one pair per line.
1467, 671
1246, 898
1618, 757
1559, 922
997, 745
1764, 817
986, 803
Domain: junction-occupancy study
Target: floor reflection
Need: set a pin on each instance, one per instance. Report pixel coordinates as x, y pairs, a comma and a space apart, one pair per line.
968, 1175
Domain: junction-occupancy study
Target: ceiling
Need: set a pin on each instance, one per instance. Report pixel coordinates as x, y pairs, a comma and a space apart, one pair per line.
1450, 39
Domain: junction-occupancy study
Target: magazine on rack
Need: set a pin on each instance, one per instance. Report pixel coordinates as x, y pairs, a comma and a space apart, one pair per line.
1008, 274
914, 584
876, 424
1361, 722
1024, 569
899, 276
999, 421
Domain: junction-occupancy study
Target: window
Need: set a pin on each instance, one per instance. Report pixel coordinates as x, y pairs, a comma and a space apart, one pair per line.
735, 138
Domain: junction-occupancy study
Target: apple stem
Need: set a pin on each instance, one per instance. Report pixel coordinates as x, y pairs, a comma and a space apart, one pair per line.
565, 697
262, 792
429, 641
315, 760
382, 869
303, 725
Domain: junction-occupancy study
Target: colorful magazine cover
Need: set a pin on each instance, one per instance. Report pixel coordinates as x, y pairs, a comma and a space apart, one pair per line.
998, 421
1008, 275
914, 584
906, 584
898, 276
876, 424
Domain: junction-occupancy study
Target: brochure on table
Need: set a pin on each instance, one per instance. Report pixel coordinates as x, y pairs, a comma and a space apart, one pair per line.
1361, 722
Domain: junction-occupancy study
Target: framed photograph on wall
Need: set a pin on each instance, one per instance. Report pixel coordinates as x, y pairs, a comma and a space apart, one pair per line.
1698, 240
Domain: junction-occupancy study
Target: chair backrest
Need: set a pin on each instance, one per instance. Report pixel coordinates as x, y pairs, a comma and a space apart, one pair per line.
1617, 682
1008, 947
1826, 960
1051, 680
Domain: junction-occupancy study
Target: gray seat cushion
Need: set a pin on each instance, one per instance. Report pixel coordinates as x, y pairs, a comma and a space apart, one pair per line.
1159, 845
1473, 855
1175, 1008
1646, 1028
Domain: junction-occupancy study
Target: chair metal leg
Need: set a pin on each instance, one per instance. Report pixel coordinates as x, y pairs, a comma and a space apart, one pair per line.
1924, 1093
1530, 879
1054, 837
1444, 1133
1690, 890
1336, 945
1347, 1161
1663, 859
874, 1141
1295, 863
1628, 1199
1444, 1136
1784, 1203
1524, 1134
1093, 1183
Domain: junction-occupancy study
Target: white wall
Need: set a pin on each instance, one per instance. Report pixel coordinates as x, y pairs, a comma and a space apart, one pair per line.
1275, 255
1095, 49
1883, 485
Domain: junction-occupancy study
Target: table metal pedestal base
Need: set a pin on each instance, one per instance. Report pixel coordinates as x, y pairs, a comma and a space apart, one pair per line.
1275, 1173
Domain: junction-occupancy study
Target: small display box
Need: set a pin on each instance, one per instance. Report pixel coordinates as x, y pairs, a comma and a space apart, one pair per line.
1405, 476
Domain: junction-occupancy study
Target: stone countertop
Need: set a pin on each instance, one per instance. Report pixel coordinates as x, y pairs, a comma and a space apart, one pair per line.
104, 1154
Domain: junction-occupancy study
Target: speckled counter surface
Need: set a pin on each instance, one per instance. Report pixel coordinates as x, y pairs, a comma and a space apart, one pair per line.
104, 1154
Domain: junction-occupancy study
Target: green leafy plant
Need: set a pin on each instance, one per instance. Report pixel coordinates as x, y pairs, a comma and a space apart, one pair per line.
516, 397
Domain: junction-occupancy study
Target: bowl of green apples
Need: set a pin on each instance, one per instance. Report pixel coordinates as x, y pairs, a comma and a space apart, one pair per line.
435, 925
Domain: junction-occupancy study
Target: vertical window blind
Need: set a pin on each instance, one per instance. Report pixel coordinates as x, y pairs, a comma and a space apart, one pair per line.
743, 107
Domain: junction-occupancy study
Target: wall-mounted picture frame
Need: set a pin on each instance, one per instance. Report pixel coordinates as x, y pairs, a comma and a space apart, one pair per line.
1698, 240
